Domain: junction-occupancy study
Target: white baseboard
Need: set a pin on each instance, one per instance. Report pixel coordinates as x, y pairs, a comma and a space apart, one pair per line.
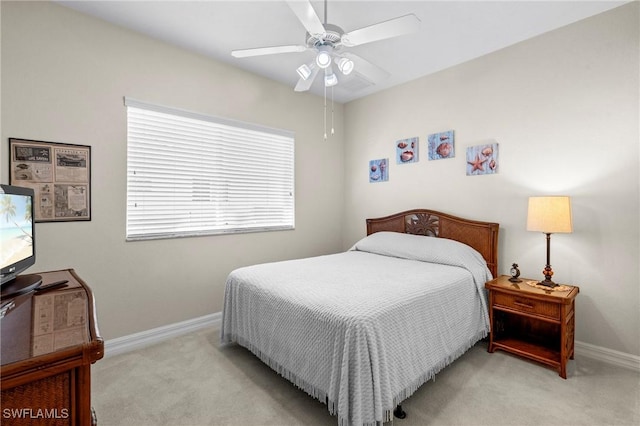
610, 356
142, 339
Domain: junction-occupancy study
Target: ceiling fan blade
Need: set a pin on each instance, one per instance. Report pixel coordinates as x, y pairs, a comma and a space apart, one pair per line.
304, 85
371, 72
406, 24
259, 51
307, 16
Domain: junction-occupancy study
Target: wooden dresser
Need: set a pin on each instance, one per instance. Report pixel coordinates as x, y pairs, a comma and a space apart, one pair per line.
49, 341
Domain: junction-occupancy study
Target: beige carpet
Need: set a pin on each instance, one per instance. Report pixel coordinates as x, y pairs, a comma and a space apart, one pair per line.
191, 380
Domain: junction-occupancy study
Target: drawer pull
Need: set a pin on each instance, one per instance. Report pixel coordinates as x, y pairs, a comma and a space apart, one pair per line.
523, 305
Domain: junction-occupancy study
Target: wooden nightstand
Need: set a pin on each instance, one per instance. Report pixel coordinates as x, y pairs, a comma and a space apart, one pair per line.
534, 323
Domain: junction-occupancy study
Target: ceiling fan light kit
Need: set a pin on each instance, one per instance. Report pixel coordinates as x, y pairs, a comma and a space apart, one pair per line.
304, 71
323, 59
345, 65
330, 79
327, 40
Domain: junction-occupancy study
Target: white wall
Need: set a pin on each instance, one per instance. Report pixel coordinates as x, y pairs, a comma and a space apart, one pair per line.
64, 76
564, 109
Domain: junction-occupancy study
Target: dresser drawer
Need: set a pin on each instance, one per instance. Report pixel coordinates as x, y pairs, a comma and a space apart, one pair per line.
524, 304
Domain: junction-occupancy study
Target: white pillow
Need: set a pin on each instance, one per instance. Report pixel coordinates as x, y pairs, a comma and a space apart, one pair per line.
421, 248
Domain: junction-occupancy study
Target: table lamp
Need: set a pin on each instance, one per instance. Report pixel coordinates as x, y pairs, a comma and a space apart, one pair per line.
549, 215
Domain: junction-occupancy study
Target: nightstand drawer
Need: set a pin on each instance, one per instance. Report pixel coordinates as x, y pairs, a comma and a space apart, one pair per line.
524, 304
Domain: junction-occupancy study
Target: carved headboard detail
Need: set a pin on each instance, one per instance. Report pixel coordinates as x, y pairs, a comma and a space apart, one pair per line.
482, 236
422, 224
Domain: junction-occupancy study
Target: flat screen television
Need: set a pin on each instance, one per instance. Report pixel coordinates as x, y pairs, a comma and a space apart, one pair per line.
17, 240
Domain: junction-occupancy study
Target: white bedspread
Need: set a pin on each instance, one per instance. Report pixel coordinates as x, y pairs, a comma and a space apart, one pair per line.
361, 330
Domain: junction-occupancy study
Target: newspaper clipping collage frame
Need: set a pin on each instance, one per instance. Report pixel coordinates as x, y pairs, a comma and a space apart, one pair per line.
60, 175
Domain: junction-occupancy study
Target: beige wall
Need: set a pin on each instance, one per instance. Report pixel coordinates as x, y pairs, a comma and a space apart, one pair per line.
64, 76
564, 109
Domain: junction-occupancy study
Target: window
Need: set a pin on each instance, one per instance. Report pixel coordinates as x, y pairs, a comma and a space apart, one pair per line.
189, 174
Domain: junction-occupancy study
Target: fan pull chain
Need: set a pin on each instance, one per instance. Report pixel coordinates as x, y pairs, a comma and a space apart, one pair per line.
325, 113
332, 130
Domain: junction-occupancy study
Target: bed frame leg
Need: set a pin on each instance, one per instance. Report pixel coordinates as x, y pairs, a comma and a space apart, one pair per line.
399, 412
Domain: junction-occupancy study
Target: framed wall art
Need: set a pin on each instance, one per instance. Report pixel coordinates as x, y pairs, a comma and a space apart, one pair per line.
407, 150
482, 159
441, 145
60, 175
378, 170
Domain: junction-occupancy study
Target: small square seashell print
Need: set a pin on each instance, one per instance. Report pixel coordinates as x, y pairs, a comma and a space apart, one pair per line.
482, 159
379, 170
441, 145
407, 151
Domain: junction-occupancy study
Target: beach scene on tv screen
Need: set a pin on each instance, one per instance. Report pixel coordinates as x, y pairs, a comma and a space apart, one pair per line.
15, 228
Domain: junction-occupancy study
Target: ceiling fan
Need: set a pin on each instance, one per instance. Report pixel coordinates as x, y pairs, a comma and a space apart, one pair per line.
329, 41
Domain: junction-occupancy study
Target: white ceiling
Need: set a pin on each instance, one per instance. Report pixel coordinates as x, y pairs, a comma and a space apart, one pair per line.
451, 32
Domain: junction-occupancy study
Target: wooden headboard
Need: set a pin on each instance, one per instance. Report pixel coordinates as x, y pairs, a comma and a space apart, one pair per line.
482, 236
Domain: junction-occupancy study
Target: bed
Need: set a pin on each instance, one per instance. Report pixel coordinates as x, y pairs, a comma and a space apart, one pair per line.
364, 329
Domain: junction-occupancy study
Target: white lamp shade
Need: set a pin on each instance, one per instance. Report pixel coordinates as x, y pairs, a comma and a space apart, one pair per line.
550, 214
304, 71
330, 80
323, 59
345, 65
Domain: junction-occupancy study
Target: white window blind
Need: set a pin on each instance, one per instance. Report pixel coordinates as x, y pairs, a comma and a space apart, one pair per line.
190, 174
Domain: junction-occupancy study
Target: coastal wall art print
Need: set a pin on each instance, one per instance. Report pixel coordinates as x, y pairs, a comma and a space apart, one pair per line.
379, 170
482, 159
441, 145
407, 150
